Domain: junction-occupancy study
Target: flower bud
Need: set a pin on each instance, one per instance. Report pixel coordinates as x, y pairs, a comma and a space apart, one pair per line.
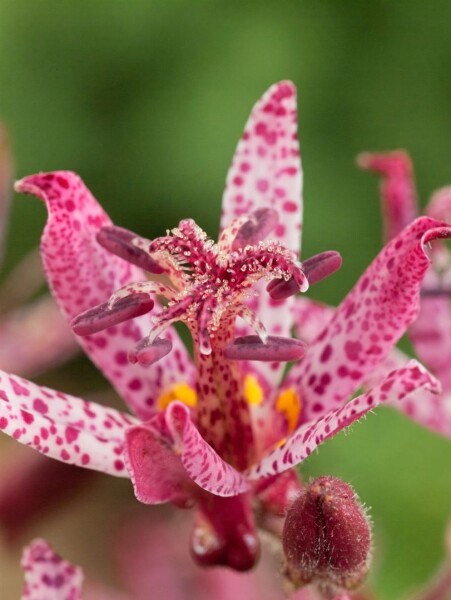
326, 537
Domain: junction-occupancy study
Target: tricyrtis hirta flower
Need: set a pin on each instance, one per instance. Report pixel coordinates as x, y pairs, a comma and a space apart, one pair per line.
220, 431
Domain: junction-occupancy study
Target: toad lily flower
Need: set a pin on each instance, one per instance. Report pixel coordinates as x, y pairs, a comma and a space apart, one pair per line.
219, 431
431, 332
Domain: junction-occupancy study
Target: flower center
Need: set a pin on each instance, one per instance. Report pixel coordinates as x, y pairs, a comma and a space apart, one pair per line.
208, 286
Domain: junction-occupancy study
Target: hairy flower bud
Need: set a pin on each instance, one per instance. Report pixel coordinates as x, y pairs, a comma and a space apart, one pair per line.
327, 537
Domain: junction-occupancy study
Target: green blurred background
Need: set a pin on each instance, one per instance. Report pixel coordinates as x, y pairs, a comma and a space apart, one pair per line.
146, 100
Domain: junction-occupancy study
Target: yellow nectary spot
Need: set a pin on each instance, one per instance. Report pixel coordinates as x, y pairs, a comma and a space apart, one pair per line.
179, 391
289, 403
252, 390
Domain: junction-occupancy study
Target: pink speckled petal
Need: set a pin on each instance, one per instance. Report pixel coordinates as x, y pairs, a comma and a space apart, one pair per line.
368, 323
310, 318
266, 170
35, 338
165, 453
430, 410
82, 274
409, 382
266, 173
48, 576
398, 195
62, 426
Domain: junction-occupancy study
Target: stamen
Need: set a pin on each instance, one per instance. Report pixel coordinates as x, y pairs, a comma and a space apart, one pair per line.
146, 353
103, 316
280, 289
259, 224
321, 265
119, 241
276, 349
316, 268
210, 282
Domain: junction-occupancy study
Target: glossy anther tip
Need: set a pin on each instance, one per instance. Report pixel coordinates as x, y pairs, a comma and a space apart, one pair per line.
276, 349
101, 316
321, 265
280, 289
119, 241
146, 354
261, 222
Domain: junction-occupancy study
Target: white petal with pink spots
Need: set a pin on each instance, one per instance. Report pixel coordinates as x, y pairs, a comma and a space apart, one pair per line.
62, 426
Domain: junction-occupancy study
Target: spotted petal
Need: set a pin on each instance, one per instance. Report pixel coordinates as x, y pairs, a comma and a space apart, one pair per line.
48, 576
63, 427
164, 454
368, 323
430, 410
82, 274
409, 382
266, 173
266, 170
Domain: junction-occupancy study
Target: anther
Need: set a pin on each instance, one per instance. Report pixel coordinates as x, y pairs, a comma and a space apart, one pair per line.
103, 316
277, 349
119, 241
